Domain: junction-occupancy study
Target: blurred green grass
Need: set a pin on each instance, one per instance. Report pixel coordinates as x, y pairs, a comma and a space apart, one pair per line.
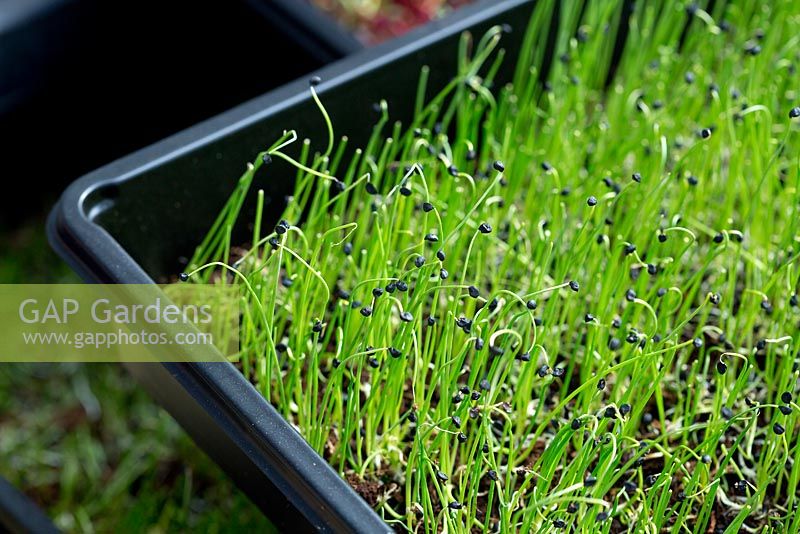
91, 448
26, 256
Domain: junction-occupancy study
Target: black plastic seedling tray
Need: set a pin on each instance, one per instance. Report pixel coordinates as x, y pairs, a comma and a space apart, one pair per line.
133, 220
19, 515
84, 82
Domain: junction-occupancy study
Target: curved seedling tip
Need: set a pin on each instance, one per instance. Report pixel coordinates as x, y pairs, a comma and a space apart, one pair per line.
246, 282
325, 115
504, 331
778, 340
755, 108
351, 227
680, 229
552, 288
304, 168
708, 20
764, 297
736, 234
288, 137
652, 313
477, 86
315, 273
475, 206
411, 171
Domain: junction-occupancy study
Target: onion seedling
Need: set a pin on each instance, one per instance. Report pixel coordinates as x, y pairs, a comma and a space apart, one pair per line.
522, 403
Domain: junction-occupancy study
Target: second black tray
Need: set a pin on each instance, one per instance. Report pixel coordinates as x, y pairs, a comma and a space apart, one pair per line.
84, 82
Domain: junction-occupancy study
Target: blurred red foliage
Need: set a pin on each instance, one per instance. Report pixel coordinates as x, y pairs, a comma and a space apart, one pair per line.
377, 20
